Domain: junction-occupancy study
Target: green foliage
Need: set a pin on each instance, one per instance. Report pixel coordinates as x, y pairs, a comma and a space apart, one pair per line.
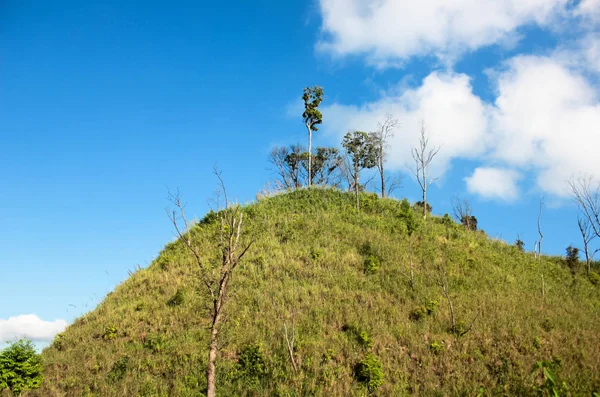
118, 370
177, 299
547, 382
470, 222
20, 367
572, 259
360, 335
110, 332
369, 372
280, 281
594, 278
251, 364
312, 98
372, 264
419, 207
154, 343
520, 245
436, 347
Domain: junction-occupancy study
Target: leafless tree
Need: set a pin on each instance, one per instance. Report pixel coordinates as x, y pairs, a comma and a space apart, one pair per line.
423, 155
586, 194
462, 213
442, 281
538, 244
215, 278
587, 234
381, 137
287, 166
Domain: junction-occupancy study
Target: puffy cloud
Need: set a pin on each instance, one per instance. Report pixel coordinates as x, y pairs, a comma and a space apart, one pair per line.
30, 326
455, 118
546, 118
544, 121
494, 183
393, 30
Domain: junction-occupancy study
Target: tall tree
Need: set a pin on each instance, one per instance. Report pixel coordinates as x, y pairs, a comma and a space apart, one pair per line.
423, 155
381, 138
361, 154
312, 117
215, 278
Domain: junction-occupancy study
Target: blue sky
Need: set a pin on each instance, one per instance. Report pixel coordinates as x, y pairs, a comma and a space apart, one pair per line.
104, 106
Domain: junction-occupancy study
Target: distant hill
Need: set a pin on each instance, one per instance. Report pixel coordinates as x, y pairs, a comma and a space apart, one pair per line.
342, 277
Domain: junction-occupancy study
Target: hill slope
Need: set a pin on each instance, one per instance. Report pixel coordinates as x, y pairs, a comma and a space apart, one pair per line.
342, 278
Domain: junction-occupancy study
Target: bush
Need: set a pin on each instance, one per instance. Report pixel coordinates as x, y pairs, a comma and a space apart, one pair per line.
176, 299
369, 372
372, 264
362, 337
252, 363
110, 333
436, 348
117, 372
594, 278
418, 313
20, 367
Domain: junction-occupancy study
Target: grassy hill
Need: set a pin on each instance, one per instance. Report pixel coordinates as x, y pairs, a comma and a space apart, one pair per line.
342, 278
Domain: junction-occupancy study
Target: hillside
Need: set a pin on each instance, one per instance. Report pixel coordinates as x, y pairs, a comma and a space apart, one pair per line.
342, 278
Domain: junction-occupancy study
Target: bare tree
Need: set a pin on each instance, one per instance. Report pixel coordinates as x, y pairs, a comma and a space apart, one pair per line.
463, 214
442, 281
215, 278
586, 194
538, 244
587, 198
587, 234
287, 166
423, 155
381, 139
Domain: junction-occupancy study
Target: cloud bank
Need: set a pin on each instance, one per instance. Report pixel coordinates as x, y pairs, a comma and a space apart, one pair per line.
30, 326
389, 31
544, 121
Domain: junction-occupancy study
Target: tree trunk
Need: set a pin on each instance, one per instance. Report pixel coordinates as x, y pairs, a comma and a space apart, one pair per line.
382, 182
309, 155
356, 187
212, 357
425, 202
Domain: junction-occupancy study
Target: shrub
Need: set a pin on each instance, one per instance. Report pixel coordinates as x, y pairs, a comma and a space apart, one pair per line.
59, 342
117, 372
520, 245
372, 264
436, 347
251, 363
362, 337
418, 313
110, 333
369, 372
154, 344
20, 367
177, 299
594, 278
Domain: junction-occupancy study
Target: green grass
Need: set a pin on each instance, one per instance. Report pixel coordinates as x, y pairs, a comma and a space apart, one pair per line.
342, 274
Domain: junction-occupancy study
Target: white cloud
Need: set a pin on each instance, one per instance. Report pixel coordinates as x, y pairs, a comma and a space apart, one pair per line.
544, 121
546, 118
454, 116
589, 8
30, 326
389, 31
494, 183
